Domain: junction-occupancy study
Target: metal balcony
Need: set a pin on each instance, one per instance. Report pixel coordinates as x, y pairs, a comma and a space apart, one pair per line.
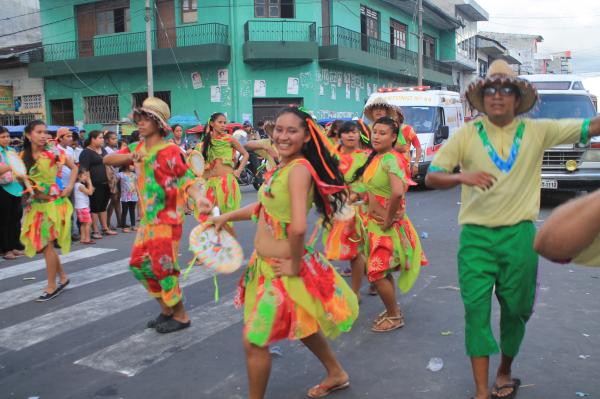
285, 40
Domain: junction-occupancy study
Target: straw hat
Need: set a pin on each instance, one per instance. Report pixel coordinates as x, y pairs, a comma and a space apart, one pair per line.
501, 72
380, 102
156, 109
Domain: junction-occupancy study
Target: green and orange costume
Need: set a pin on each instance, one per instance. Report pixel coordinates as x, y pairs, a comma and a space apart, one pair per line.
163, 180
292, 307
344, 239
222, 191
399, 247
48, 217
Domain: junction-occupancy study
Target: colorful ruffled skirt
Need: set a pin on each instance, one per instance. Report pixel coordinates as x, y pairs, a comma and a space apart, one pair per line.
395, 249
295, 307
224, 192
344, 239
45, 222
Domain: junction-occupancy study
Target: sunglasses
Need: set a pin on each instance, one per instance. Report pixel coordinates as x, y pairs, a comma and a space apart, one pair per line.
504, 91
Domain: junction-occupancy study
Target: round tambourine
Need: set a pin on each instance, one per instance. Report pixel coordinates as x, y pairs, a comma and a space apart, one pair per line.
18, 166
345, 213
196, 162
216, 251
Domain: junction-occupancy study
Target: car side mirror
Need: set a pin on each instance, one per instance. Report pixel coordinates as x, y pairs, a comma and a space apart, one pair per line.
442, 134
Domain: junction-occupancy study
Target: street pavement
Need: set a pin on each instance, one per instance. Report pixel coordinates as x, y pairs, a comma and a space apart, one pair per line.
91, 341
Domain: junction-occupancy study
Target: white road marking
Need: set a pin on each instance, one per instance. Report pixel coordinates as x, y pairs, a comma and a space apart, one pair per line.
31, 332
125, 357
39, 264
90, 275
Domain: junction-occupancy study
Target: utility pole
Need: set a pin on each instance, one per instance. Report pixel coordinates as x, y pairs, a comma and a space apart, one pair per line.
149, 49
420, 62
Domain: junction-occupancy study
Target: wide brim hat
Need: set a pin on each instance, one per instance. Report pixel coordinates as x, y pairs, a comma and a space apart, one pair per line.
380, 102
501, 73
156, 109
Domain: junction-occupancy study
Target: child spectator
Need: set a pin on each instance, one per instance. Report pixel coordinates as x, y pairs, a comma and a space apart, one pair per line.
129, 196
83, 190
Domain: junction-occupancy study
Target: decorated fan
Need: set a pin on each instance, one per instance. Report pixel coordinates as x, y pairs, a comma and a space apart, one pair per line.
196, 161
18, 167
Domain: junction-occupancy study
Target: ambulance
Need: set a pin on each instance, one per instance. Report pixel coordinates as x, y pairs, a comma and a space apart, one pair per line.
434, 114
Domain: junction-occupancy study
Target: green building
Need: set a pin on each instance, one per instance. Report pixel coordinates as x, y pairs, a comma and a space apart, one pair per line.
246, 58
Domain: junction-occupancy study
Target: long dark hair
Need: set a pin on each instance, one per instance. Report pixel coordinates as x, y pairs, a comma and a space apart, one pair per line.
386, 120
91, 135
27, 151
207, 131
323, 162
334, 128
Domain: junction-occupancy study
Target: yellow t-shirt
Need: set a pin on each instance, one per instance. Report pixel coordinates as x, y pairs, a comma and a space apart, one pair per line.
591, 255
515, 196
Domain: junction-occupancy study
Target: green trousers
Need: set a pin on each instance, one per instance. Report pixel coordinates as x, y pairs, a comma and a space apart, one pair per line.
503, 258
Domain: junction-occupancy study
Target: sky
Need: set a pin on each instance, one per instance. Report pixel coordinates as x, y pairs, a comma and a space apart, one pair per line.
564, 25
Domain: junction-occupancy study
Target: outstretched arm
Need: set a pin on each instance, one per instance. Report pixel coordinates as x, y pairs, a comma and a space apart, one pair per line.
570, 229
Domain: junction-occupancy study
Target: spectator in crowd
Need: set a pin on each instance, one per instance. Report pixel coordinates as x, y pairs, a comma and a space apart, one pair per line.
91, 160
111, 142
64, 141
76, 144
178, 138
83, 190
129, 196
11, 210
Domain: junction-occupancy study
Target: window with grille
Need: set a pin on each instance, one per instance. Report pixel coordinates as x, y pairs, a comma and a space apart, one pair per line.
101, 109
138, 98
274, 8
33, 101
369, 22
397, 33
483, 68
61, 112
428, 46
189, 11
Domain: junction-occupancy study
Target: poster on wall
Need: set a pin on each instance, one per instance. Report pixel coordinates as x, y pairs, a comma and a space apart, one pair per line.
223, 75
357, 94
321, 90
6, 98
260, 88
215, 94
347, 91
197, 82
333, 95
293, 85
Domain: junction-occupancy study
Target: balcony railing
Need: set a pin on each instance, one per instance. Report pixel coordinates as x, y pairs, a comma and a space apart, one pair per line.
284, 31
340, 36
132, 42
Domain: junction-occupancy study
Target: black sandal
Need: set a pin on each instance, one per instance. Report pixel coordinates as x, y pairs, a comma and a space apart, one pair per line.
516, 383
172, 325
160, 319
61, 286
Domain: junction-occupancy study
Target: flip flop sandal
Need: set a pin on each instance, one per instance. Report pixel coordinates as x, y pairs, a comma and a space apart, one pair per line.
96, 236
172, 325
384, 314
10, 256
516, 383
109, 232
325, 390
390, 320
160, 319
87, 242
346, 273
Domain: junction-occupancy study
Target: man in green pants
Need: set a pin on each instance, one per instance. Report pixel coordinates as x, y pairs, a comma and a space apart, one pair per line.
500, 158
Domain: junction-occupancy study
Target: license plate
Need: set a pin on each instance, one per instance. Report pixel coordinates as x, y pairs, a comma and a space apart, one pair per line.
549, 184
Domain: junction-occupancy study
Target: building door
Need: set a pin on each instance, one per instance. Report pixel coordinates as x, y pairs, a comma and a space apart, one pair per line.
165, 23
326, 21
86, 29
267, 108
61, 112
369, 26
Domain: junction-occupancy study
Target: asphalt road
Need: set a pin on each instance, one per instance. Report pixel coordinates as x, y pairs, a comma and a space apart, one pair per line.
90, 342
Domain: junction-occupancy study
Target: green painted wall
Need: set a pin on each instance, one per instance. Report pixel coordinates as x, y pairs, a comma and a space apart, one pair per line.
323, 87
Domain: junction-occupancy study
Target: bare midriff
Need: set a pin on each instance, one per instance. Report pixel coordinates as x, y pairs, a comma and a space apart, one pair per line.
265, 243
378, 211
218, 169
